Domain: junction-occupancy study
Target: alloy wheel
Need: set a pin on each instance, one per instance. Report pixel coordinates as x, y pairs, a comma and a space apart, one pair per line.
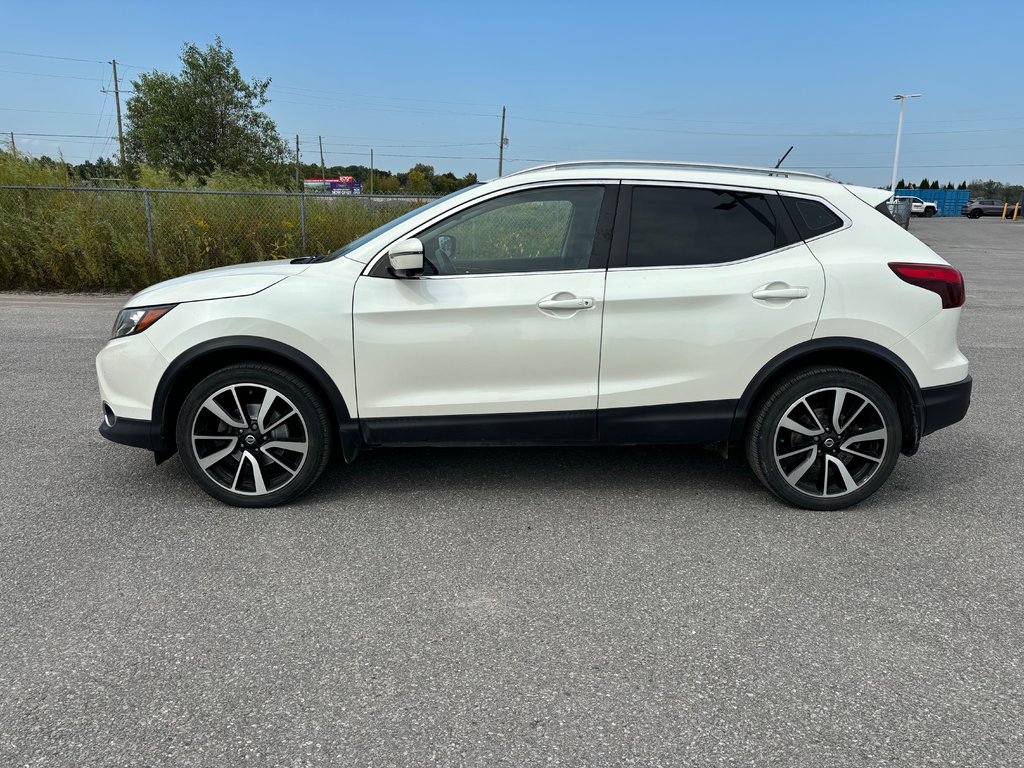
830, 442
249, 439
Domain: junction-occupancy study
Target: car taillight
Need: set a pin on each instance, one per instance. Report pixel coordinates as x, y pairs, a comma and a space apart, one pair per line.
945, 281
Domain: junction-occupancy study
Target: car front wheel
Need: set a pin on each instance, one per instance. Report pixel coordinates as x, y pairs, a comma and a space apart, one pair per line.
824, 438
253, 435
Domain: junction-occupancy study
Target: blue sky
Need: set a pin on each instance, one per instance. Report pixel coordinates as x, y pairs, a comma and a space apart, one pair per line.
732, 82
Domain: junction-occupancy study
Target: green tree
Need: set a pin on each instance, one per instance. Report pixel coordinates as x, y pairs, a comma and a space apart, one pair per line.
935, 184
101, 172
426, 170
925, 184
446, 183
417, 183
901, 184
204, 118
386, 185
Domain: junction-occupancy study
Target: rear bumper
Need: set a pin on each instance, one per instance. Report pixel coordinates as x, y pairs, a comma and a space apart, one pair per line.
945, 405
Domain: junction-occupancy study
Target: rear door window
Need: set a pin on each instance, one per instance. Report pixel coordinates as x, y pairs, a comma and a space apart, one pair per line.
678, 226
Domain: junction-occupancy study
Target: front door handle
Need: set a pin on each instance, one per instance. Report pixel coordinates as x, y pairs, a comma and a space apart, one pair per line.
781, 291
566, 305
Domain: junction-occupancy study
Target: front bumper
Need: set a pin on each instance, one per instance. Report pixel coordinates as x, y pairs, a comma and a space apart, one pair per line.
137, 433
945, 405
134, 432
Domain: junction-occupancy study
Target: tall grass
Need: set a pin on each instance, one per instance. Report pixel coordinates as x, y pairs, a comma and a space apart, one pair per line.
96, 240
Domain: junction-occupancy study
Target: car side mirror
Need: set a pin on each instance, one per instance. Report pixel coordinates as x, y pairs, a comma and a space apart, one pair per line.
406, 258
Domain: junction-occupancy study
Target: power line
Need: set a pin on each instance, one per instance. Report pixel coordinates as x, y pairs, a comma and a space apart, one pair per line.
102, 109
928, 165
61, 135
58, 58
881, 153
623, 116
46, 111
379, 142
382, 108
348, 96
419, 156
44, 74
345, 94
107, 131
300, 90
66, 58
765, 135
64, 141
412, 146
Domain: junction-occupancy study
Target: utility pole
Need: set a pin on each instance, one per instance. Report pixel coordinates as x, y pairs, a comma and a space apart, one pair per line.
117, 101
14, 148
298, 182
323, 171
371, 170
502, 144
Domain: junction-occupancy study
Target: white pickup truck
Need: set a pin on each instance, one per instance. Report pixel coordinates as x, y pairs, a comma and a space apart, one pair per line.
919, 207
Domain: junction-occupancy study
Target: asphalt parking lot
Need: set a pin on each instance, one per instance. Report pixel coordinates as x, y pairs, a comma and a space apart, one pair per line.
646, 606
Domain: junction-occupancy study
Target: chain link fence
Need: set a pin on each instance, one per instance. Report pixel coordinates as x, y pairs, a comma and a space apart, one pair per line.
90, 239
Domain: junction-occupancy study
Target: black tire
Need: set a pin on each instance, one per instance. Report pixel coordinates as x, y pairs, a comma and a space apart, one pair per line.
977, 213
270, 457
790, 457
929, 212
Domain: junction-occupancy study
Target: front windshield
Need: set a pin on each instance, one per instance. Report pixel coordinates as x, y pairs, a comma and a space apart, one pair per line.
358, 243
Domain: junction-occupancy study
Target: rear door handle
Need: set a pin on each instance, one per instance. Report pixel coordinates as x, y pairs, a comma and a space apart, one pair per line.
574, 304
781, 292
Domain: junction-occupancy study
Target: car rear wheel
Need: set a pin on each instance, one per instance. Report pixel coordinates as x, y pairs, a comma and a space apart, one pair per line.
253, 435
824, 439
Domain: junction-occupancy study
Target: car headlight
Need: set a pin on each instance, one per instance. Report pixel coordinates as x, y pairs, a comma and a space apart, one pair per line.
136, 320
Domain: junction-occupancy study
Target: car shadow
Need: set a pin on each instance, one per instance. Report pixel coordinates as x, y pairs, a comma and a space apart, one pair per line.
536, 469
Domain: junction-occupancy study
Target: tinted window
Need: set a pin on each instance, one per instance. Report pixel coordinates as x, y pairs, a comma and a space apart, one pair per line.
811, 217
671, 226
533, 231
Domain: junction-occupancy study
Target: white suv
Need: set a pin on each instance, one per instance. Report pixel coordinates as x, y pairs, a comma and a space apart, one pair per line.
572, 304
919, 207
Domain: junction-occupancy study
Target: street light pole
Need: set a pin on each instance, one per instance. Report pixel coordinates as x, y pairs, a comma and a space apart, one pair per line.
902, 99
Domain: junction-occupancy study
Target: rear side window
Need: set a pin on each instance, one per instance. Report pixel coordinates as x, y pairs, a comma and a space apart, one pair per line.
671, 226
811, 217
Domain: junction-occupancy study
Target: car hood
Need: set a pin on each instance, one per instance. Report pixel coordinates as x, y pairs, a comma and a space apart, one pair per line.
219, 283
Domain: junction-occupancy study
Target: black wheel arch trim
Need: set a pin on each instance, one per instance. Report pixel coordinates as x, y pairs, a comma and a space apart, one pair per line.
829, 344
348, 429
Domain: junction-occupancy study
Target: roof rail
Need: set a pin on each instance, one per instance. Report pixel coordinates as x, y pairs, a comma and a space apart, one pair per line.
671, 164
